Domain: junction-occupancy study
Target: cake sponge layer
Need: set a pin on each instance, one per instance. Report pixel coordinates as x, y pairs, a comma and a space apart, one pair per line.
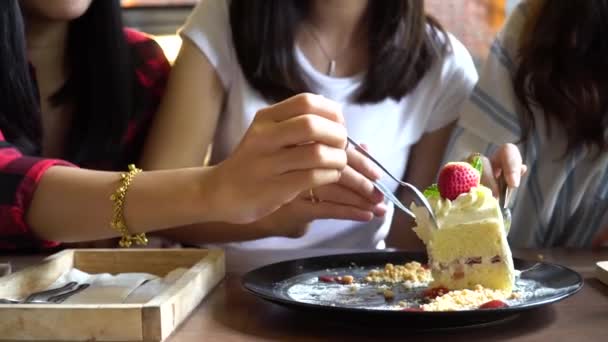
479, 239
470, 246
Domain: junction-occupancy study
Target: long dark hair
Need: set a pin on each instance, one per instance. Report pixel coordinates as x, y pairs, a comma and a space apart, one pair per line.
403, 44
100, 89
563, 70
19, 117
101, 84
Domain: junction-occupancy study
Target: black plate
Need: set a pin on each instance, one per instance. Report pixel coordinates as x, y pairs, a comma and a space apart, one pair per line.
288, 283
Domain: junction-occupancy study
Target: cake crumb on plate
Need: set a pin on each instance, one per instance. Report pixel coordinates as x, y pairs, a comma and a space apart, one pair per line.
466, 299
411, 274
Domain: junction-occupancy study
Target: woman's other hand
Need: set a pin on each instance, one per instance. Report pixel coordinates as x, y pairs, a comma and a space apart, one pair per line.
505, 162
290, 147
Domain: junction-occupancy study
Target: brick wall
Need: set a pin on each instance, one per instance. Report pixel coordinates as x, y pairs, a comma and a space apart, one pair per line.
473, 22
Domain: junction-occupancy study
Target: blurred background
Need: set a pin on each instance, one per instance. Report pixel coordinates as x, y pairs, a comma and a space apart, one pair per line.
474, 22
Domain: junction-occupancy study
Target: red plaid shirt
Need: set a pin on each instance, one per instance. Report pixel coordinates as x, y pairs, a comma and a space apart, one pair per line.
20, 174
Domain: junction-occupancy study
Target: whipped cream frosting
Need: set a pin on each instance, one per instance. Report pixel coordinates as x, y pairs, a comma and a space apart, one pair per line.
474, 206
473, 200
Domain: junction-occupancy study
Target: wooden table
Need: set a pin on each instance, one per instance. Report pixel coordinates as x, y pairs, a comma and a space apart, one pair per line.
232, 314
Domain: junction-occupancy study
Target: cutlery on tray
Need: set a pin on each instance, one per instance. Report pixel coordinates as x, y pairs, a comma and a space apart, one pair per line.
51, 296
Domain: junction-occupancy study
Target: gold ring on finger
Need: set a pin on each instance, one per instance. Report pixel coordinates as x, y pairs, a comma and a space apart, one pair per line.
313, 197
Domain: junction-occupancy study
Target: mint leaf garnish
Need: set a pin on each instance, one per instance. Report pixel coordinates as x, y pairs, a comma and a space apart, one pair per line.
477, 164
431, 191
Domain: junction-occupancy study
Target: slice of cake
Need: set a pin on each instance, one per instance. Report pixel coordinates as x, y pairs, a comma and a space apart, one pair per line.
470, 246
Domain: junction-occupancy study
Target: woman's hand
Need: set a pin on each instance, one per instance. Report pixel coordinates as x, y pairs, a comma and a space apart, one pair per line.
353, 197
506, 162
354, 192
290, 147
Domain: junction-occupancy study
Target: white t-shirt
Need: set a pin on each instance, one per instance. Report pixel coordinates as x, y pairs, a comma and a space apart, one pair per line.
388, 127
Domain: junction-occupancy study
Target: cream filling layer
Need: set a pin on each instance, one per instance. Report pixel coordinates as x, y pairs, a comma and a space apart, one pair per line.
466, 261
458, 268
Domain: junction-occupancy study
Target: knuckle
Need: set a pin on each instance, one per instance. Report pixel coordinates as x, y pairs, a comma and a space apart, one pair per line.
256, 133
318, 153
309, 125
312, 178
335, 175
363, 186
346, 176
307, 101
262, 113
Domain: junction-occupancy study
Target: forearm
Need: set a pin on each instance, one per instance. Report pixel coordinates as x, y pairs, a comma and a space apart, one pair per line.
214, 232
72, 204
292, 220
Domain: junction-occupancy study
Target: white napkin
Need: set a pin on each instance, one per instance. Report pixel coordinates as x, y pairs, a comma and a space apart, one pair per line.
104, 288
153, 287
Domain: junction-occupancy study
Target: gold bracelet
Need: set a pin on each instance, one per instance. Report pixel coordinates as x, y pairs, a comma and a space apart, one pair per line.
118, 220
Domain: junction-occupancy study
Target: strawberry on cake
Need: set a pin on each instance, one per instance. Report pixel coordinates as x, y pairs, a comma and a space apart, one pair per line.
470, 246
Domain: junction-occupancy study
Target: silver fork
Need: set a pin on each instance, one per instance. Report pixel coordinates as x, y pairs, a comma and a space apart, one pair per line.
418, 196
63, 296
56, 295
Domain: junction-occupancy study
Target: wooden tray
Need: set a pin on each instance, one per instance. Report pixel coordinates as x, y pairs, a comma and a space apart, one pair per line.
601, 271
152, 321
